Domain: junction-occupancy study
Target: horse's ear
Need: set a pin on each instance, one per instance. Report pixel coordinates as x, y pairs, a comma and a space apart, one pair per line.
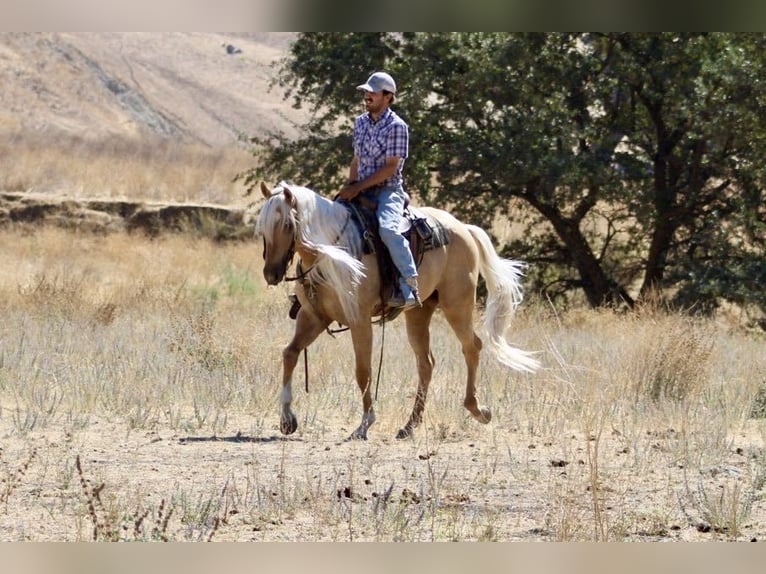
265, 190
289, 196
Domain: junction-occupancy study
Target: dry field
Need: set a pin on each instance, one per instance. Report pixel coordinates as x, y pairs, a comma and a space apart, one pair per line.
139, 374
139, 381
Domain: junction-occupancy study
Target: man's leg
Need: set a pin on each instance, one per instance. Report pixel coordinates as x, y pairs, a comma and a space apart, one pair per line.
390, 208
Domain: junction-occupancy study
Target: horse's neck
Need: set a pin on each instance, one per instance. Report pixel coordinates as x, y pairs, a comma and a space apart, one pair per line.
331, 215
327, 215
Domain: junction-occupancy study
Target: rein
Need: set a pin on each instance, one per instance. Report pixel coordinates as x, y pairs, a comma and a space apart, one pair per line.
332, 333
300, 276
303, 275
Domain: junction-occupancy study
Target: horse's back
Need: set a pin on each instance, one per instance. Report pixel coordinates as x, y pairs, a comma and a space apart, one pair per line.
452, 268
460, 237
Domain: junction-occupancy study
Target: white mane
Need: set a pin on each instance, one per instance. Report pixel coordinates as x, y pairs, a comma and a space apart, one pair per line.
321, 226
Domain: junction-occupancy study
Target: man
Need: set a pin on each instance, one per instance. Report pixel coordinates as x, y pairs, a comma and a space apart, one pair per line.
381, 144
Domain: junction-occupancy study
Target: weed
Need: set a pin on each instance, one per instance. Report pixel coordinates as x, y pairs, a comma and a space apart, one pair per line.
111, 523
674, 363
202, 518
724, 504
11, 481
758, 408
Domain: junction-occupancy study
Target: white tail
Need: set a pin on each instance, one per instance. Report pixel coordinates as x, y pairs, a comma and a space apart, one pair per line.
503, 278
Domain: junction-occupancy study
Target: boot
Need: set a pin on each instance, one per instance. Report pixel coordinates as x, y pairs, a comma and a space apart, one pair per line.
409, 297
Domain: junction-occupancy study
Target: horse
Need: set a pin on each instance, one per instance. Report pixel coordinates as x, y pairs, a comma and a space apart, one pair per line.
339, 282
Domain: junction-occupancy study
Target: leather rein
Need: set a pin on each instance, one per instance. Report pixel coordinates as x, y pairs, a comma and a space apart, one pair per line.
303, 274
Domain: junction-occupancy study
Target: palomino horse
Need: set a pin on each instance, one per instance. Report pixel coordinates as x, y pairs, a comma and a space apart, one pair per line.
341, 284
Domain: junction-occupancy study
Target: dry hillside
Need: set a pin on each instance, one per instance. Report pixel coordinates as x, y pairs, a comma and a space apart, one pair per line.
186, 86
141, 370
93, 122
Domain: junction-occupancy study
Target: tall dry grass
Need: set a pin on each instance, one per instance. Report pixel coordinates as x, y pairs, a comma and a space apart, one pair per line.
152, 169
75, 306
139, 383
640, 427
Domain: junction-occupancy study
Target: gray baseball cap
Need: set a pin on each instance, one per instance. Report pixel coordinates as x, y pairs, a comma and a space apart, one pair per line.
378, 82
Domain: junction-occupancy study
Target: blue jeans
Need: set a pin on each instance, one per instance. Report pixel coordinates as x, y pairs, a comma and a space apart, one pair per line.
390, 208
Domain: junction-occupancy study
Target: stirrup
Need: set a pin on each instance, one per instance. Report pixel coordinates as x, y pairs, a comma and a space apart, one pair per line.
398, 301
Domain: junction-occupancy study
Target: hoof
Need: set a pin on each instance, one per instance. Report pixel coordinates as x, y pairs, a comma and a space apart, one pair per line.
361, 431
404, 433
288, 425
485, 415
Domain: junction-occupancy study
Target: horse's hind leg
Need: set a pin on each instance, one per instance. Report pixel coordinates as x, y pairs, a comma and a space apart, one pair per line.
418, 324
460, 318
307, 329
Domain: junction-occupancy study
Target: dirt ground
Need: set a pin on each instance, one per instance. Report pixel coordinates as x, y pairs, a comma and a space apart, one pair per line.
481, 483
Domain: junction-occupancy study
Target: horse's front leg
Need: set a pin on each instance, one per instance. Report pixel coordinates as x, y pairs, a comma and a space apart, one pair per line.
307, 329
361, 337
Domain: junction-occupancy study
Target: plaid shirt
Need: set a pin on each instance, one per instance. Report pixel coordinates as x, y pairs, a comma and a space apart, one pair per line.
375, 141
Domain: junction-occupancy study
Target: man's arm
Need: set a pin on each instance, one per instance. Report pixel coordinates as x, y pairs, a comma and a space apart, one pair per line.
353, 170
354, 188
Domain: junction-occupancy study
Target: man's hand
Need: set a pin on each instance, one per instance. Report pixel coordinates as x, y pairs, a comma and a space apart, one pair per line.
349, 191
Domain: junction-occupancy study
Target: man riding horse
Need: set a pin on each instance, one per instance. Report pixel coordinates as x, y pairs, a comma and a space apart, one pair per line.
340, 281
381, 143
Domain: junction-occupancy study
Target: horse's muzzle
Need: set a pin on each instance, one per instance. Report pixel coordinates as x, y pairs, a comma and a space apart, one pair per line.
274, 273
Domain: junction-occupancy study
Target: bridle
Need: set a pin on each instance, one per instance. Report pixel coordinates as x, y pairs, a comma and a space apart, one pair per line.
290, 255
301, 275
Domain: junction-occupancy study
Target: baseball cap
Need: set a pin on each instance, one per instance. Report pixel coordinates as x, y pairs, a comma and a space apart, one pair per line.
378, 82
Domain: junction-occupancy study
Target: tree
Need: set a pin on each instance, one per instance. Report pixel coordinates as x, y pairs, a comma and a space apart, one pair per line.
634, 161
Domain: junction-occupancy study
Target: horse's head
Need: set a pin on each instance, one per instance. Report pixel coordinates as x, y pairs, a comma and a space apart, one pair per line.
276, 223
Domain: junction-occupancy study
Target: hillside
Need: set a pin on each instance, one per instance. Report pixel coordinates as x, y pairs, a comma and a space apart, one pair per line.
92, 122
184, 86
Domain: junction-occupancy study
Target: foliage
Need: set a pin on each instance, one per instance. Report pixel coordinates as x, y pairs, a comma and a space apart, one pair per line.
632, 160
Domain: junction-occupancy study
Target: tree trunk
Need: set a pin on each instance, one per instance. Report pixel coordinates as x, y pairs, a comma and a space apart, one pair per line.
664, 228
657, 257
599, 289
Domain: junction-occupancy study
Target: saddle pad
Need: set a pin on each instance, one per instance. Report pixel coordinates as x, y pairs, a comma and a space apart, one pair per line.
433, 234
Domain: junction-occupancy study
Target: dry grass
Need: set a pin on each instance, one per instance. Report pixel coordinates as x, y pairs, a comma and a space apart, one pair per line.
148, 169
155, 363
